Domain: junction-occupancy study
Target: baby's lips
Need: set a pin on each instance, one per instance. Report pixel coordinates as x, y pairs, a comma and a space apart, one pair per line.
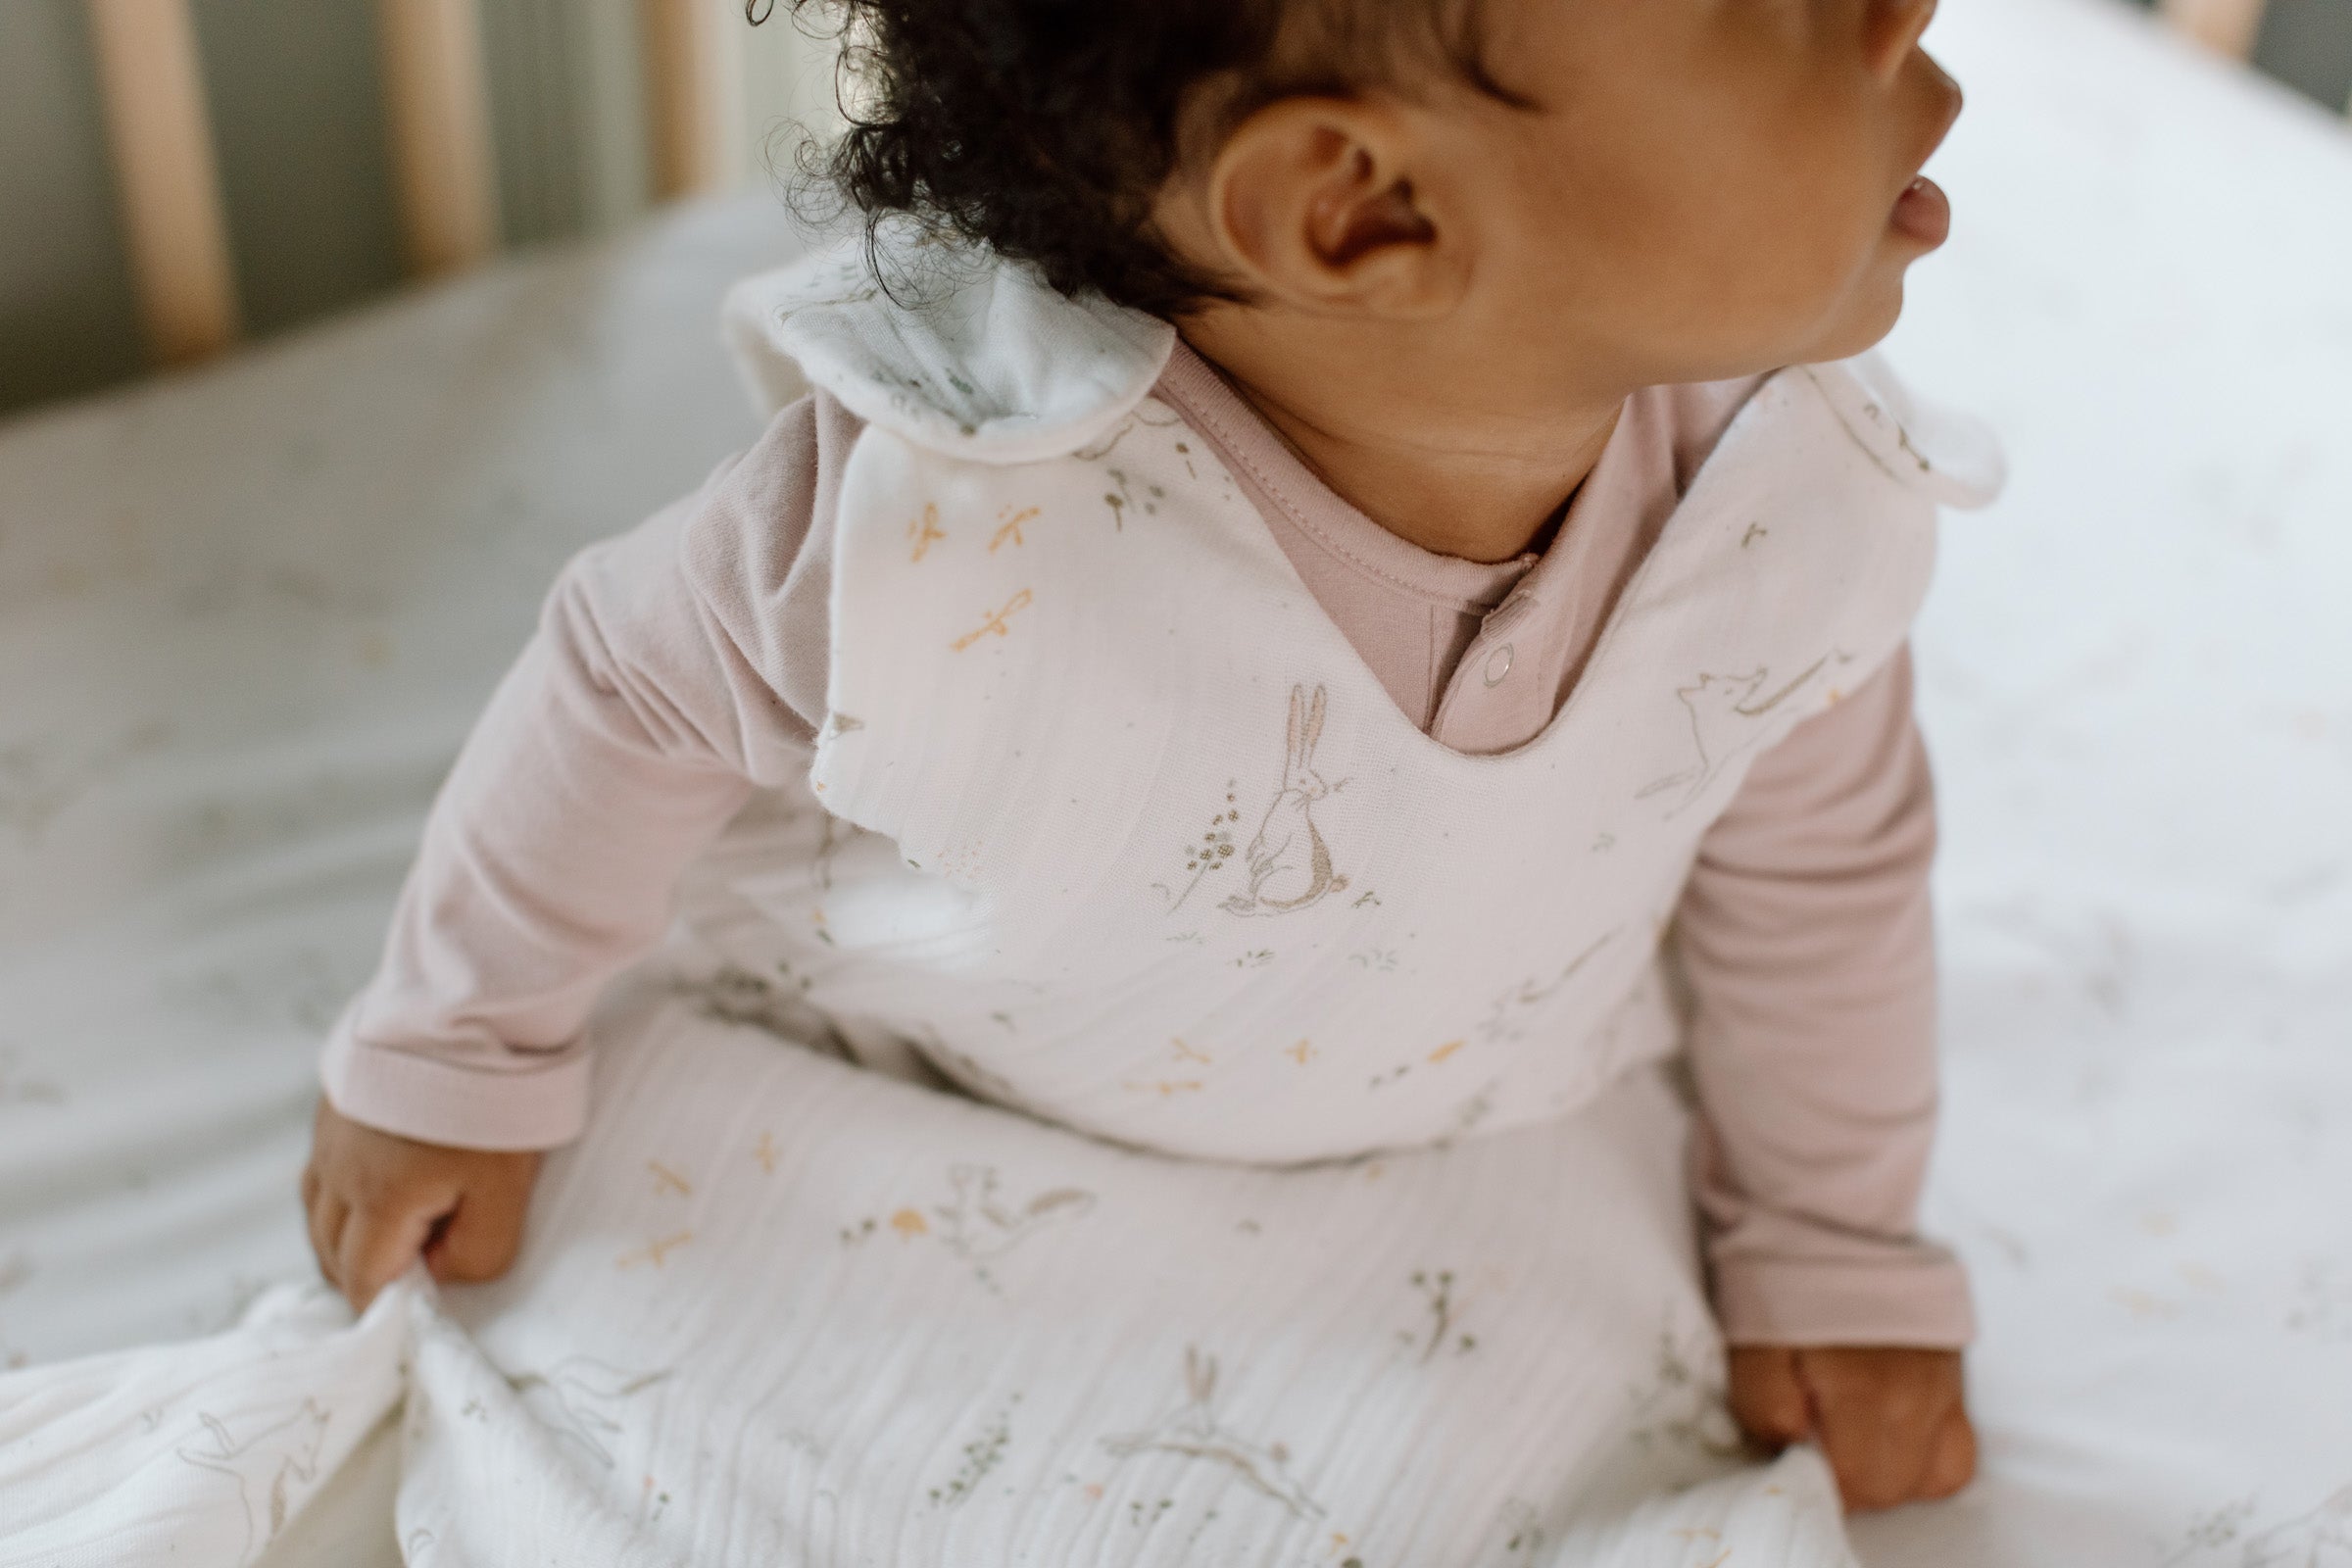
1923, 212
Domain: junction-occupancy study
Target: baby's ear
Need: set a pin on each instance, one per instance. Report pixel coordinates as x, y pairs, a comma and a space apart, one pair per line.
1324, 203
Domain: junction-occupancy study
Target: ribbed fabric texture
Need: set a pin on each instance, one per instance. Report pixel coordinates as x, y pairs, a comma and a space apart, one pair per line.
777, 1311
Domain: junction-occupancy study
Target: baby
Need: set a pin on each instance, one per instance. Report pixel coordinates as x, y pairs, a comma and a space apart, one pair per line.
1404, 379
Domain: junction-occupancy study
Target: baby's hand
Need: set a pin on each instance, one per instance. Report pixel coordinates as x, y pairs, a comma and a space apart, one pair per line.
1890, 1420
377, 1201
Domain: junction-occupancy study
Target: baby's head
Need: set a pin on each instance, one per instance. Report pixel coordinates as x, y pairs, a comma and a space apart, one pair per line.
1560, 197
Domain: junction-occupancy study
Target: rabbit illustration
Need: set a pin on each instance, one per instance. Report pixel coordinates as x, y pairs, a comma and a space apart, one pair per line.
273, 1459
1290, 864
1191, 1430
1724, 710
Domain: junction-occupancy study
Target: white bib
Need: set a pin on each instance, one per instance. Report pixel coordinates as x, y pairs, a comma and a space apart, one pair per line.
1117, 828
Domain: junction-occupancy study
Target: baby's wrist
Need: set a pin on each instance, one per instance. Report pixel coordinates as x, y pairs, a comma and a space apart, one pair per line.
430, 1100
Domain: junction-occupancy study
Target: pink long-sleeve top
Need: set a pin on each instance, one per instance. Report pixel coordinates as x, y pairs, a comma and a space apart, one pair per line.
680, 665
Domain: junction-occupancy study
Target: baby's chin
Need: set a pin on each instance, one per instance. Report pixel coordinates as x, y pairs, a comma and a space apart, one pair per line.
1866, 315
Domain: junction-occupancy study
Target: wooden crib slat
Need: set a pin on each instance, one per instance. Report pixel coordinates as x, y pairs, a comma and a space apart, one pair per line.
152, 84
688, 94
2228, 25
436, 97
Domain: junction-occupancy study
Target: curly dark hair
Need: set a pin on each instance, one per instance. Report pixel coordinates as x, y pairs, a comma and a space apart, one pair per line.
1045, 129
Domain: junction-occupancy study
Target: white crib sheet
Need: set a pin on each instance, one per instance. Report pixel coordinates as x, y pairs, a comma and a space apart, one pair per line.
245, 617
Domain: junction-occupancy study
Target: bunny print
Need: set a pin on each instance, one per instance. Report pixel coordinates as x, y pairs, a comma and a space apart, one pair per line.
1191, 1431
1290, 864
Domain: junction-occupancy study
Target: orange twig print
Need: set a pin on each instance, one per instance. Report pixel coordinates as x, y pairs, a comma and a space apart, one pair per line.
925, 531
1185, 1052
995, 623
655, 1253
666, 1180
1445, 1050
1302, 1053
1012, 528
765, 1153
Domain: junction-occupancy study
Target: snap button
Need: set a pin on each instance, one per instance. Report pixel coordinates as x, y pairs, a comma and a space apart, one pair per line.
1499, 664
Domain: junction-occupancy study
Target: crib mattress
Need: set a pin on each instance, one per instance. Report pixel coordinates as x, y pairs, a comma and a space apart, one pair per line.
246, 615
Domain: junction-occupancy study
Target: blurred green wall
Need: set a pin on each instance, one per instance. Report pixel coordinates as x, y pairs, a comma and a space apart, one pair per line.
66, 312
2306, 44
297, 107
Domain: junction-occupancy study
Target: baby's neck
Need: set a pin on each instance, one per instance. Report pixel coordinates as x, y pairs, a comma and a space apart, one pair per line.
1457, 479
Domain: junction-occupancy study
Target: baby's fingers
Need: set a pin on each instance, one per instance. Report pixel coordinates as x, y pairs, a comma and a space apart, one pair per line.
327, 1215
482, 1235
1954, 1464
1767, 1399
1877, 1465
1882, 1416
376, 1246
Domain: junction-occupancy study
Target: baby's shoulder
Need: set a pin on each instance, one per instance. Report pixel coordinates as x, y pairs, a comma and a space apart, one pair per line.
756, 550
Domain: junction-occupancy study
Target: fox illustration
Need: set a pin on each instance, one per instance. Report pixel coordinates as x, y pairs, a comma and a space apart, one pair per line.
1727, 714
1290, 864
583, 1399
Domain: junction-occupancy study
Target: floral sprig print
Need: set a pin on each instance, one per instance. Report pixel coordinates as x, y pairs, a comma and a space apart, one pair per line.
1213, 851
1436, 1289
2213, 1530
1683, 1408
2321, 1537
1123, 496
980, 1455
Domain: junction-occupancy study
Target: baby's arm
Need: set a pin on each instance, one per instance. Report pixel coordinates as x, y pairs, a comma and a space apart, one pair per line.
633, 726
1808, 938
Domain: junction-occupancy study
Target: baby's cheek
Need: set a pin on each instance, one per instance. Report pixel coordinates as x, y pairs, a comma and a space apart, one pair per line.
1835, 276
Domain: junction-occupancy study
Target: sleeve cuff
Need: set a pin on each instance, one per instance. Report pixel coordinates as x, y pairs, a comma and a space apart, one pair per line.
533, 1105
1920, 1299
